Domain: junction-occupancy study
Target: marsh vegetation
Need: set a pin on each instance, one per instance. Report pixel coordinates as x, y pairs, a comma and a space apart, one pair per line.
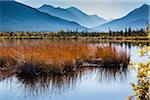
59, 57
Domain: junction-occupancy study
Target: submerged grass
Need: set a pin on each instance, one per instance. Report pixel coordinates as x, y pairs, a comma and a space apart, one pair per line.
58, 57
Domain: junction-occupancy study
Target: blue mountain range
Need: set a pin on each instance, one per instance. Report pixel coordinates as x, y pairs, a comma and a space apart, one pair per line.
73, 14
15, 16
136, 19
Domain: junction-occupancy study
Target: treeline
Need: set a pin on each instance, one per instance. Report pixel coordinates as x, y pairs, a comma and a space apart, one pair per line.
25, 33
126, 32
76, 33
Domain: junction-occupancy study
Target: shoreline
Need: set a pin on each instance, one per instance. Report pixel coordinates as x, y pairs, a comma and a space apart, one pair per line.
86, 39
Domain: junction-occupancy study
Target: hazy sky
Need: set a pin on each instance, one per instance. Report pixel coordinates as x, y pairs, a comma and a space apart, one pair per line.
104, 8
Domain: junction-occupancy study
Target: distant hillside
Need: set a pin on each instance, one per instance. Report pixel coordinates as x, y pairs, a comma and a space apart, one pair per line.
136, 19
73, 14
15, 16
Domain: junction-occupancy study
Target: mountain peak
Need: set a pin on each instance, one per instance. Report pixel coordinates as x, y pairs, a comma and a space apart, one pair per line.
145, 5
46, 6
73, 8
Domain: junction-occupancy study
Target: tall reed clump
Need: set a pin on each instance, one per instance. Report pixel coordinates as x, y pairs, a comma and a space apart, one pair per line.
56, 57
110, 56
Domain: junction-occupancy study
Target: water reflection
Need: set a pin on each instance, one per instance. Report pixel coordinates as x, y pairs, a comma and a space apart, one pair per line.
58, 84
54, 84
112, 74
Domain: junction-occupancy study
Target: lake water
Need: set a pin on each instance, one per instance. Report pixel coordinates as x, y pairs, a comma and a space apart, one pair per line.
85, 84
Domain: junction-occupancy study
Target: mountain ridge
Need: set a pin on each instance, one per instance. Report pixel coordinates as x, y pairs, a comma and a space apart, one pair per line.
141, 13
19, 17
73, 14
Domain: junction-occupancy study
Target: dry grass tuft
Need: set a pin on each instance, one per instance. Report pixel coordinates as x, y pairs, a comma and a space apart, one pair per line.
57, 57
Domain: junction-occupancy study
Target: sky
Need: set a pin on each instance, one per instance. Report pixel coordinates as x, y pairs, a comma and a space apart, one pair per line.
108, 9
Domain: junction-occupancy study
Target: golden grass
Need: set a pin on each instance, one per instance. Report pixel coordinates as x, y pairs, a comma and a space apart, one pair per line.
57, 57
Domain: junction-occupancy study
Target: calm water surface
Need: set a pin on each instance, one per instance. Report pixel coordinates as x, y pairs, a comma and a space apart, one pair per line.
84, 84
